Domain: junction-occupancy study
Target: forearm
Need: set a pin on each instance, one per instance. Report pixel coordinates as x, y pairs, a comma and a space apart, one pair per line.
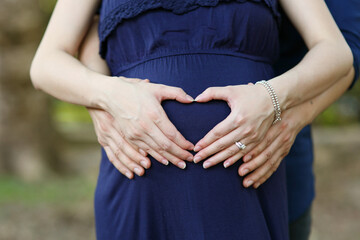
328, 60
55, 69
319, 70
64, 77
310, 109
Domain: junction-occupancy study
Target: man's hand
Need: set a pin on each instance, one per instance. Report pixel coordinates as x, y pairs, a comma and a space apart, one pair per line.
263, 160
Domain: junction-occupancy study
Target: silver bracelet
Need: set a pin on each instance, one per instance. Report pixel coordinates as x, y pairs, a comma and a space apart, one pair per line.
274, 99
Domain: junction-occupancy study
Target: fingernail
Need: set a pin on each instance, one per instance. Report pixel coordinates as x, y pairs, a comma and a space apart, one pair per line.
165, 162
197, 159
226, 164
197, 148
198, 98
206, 164
244, 172
144, 163
128, 174
142, 152
188, 97
190, 158
137, 171
256, 185
191, 147
247, 158
249, 183
181, 165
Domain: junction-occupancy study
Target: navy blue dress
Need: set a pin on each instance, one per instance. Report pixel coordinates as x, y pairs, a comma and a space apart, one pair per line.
227, 43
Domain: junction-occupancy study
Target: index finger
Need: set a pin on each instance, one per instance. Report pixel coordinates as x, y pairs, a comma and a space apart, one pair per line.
220, 130
170, 131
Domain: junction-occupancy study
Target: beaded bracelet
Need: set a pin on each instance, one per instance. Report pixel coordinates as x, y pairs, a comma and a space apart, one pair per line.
274, 99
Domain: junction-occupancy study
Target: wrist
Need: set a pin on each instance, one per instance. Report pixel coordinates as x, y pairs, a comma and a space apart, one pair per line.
302, 114
274, 99
104, 85
282, 85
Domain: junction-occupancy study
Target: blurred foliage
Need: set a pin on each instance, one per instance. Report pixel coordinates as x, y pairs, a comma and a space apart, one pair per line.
65, 112
345, 110
47, 6
53, 191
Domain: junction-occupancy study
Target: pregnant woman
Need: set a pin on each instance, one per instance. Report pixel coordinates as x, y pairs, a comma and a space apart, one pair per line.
210, 50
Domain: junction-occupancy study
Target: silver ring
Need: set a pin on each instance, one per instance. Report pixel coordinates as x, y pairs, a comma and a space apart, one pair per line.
240, 145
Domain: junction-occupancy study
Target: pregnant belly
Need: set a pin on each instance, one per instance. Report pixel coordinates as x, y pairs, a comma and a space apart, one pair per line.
194, 73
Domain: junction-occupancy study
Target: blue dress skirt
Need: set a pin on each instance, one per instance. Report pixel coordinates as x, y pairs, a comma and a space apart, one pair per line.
228, 44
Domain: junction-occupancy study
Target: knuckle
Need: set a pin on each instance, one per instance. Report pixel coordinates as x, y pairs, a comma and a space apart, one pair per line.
146, 148
254, 152
118, 152
248, 131
268, 154
101, 141
160, 150
255, 136
103, 127
165, 146
143, 124
112, 160
135, 134
284, 125
233, 151
216, 134
180, 90
153, 115
239, 120
268, 141
209, 90
272, 165
220, 146
286, 137
171, 135
119, 141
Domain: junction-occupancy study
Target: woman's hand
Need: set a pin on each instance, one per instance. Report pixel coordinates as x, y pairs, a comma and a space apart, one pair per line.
263, 160
252, 114
139, 116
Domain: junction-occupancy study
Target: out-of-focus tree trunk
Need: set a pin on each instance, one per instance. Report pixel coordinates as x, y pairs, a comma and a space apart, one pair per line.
28, 141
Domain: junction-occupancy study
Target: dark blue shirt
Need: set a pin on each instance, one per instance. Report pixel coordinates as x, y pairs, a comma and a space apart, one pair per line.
299, 162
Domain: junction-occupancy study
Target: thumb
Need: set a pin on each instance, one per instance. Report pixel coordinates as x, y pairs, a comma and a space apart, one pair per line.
174, 93
212, 93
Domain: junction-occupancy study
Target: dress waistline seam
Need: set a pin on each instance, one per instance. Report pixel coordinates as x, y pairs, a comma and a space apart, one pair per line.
193, 52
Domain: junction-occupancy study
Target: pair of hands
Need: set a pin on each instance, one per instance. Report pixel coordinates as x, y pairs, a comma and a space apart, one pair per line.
139, 126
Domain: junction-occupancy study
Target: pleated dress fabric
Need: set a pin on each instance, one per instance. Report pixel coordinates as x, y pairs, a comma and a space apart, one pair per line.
216, 44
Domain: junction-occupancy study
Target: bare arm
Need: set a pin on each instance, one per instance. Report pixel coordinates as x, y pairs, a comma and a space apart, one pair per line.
328, 60
135, 105
55, 70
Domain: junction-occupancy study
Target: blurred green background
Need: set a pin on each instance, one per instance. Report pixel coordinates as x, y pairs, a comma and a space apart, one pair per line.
49, 154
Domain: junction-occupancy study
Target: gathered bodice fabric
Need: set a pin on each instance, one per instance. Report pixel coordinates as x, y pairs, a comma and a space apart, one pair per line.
153, 37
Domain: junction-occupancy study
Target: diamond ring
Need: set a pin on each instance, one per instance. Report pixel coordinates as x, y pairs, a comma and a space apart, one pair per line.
240, 145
